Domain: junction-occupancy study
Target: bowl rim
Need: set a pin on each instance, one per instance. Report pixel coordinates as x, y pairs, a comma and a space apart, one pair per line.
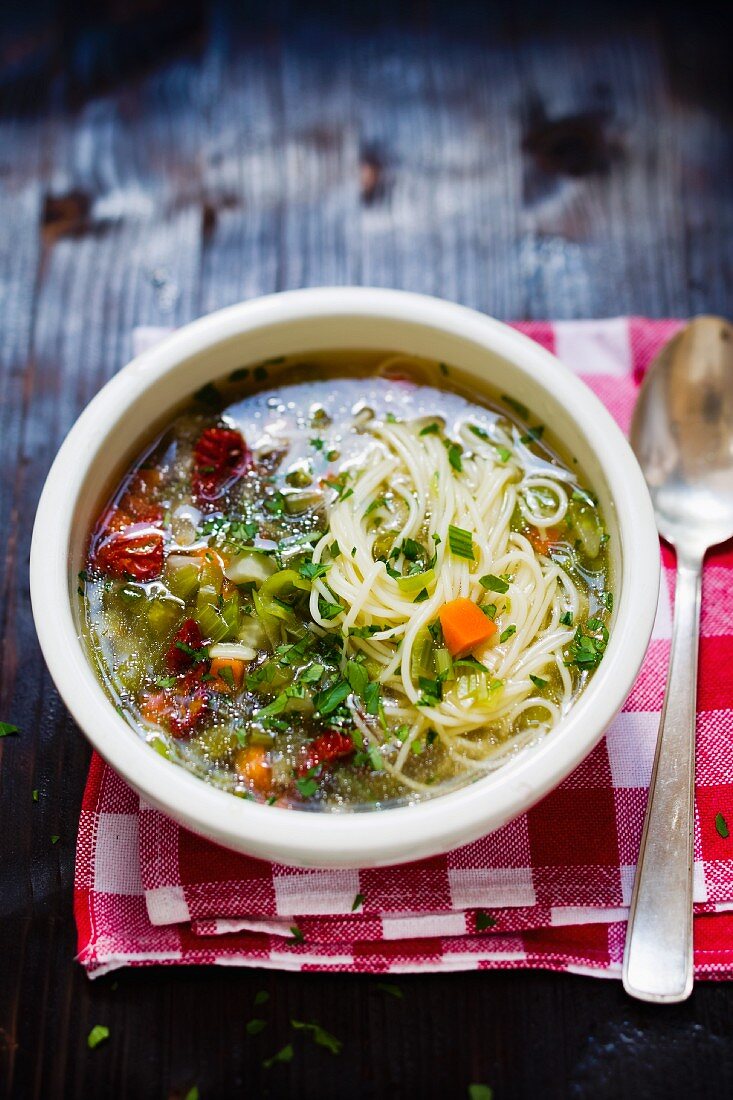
345, 839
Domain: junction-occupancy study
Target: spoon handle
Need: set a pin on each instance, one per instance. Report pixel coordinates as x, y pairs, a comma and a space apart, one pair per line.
658, 956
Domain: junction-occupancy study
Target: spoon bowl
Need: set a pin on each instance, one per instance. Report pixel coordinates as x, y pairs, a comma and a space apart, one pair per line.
682, 434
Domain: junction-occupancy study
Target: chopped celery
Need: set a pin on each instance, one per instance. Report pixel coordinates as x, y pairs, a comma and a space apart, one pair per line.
270, 623
230, 615
163, 615
584, 520
183, 581
421, 661
297, 502
211, 623
211, 578
160, 747
476, 687
282, 584
415, 582
444, 664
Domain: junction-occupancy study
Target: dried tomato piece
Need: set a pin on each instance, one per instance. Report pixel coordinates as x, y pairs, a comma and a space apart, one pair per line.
189, 635
327, 747
135, 553
187, 712
179, 712
220, 455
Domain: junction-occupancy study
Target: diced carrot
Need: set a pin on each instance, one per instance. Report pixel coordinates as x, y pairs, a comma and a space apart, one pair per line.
253, 766
224, 683
464, 626
543, 540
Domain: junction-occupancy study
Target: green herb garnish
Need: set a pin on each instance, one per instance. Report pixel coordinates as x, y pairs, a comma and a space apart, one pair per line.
460, 542
484, 921
284, 1055
517, 406
357, 903
329, 700
507, 633
455, 451
538, 681
254, 1027
493, 583
391, 989
97, 1035
721, 826
430, 429
296, 933
321, 1037
8, 730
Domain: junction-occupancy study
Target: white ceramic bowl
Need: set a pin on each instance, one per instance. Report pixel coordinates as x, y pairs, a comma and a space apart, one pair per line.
138, 400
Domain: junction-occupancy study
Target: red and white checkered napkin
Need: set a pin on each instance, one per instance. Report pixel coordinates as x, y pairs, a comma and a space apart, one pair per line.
551, 889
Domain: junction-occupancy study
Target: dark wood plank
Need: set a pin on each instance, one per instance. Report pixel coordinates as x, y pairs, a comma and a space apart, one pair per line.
161, 160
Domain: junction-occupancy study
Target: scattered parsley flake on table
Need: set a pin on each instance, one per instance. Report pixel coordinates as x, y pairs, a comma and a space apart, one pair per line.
321, 1037
484, 921
721, 826
392, 990
284, 1055
254, 1027
6, 729
97, 1035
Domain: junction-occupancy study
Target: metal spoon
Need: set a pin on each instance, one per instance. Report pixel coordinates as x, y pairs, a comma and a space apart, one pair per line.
682, 433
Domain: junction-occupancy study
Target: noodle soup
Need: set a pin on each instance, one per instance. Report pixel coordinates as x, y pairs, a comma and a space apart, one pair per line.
356, 585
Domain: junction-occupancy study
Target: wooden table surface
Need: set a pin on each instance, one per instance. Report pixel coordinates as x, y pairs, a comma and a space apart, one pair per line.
162, 160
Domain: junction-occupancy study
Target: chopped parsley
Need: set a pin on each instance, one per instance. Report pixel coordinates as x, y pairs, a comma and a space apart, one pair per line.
391, 989
310, 570
330, 699
358, 903
327, 609
455, 452
307, 787
606, 600
254, 1027
321, 1037
533, 435
507, 633
493, 583
379, 502
484, 921
567, 618
538, 682
296, 933
588, 645
284, 1055
8, 730
430, 429
97, 1035
261, 998
721, 826
480, 1092
517, 406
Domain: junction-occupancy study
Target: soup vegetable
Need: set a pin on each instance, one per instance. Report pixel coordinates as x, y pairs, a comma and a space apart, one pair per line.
344, 591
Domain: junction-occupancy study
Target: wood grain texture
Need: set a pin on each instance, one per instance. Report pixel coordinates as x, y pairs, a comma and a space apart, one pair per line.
158, 161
